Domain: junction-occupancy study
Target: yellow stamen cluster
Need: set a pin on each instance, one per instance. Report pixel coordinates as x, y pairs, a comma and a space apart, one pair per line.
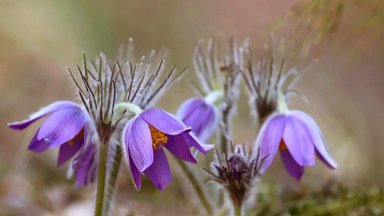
282, 146
159, 139
76, 138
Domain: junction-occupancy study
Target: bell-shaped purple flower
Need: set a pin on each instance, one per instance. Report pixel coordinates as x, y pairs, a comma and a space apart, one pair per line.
64, 127
200, 116
298, 137
146, 134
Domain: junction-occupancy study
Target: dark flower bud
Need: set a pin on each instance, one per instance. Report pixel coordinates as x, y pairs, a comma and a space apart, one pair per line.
237, 171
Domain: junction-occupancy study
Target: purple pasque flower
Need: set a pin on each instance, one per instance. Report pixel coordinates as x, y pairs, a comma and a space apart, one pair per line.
200, 115
218, 74
298, 137
144, 137
64, 127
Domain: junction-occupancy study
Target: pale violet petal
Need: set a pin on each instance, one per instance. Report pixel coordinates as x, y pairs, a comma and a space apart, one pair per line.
317, 138
269, 138
159, 172
61, 126
138, 142
59, 105
299, 142
164, 121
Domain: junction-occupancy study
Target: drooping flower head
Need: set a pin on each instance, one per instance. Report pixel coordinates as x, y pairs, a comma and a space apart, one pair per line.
298, 138
218, 89
145, 137
65, 127
147, 130
237, 171
199, 114
294, 133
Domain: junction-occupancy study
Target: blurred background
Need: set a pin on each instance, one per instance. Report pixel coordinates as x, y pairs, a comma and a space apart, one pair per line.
344, 39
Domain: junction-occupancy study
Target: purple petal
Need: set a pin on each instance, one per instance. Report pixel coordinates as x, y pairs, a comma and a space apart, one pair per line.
159, 171
44, 111
135, 174
164, 121
317, 138
138, 143
294, 169
330, 163
188, 107
269, 138
200, 116
209, 124
38, 145
83, 166
194, 142
61, 126
69, 149
179, 147
92, 173
298, 141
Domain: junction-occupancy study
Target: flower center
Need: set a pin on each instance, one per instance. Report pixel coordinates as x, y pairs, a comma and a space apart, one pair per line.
76, 138
159, 139
282, 146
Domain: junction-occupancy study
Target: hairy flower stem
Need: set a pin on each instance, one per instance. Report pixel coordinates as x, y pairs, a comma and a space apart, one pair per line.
113, 177
224, 144
197, 187
237, 210
224, 134
101, 177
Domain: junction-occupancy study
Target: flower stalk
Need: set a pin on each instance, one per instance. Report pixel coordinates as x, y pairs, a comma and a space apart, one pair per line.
224, 133
114, 172
237, 210
197, 187
102, 171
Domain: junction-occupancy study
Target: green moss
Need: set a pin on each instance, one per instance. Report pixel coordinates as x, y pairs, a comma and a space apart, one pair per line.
332, 199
